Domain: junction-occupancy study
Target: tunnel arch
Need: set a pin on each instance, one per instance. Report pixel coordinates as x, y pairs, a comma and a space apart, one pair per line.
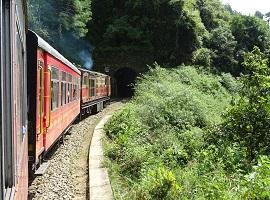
125, 80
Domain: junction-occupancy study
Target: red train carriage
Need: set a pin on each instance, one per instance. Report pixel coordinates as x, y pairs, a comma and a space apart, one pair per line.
13, 105
54, 96
95, 91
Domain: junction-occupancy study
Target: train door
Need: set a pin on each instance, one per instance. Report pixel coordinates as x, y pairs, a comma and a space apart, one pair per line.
12, 100
40, 109
7, 136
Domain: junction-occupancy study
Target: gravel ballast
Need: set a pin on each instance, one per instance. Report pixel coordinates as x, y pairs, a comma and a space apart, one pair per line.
67, 175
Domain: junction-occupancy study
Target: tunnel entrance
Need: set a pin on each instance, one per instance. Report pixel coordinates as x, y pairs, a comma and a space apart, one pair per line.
125, 80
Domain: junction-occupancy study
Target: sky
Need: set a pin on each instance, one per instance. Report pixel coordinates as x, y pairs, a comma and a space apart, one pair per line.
249, 6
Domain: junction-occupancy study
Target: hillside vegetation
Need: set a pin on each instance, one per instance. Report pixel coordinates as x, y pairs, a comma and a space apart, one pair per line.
189, 134
203, 32
172, 32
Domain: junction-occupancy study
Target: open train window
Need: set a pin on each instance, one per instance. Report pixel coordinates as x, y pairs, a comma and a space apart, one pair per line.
64, 89
54, 88
74, 88
69, 84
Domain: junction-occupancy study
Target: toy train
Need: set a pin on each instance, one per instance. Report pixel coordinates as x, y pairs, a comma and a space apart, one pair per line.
42, 93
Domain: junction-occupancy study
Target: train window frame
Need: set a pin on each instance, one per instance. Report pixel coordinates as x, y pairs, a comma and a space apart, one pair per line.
73, 88
69, 88
79, 88
54, 82
85, 79
92, 87
63, 88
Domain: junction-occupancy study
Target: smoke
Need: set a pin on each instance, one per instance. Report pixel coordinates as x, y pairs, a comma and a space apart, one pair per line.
59, 35
86, 58
77, 50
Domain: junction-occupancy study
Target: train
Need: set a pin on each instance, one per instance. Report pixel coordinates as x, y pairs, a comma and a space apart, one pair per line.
42, 94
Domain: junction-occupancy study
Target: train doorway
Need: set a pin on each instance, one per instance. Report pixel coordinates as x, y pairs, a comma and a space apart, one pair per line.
125, 80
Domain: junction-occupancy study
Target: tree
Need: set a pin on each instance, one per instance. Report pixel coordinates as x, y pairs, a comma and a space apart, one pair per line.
223, 44
61, 22
52, 19
259, 14
248, 121
138, 25
213, 14
249, 31
267, 15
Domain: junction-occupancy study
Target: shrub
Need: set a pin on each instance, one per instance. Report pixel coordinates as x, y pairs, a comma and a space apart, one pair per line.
159, 183
257, 183
248, 121
162, 140
202, 57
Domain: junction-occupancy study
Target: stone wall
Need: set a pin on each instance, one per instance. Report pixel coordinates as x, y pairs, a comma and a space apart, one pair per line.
136, 60
115, 61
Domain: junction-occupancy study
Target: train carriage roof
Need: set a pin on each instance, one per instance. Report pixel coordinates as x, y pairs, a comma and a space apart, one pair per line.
48, 48
92, 72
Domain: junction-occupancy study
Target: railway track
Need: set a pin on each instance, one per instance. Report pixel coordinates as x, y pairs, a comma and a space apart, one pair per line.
67, 174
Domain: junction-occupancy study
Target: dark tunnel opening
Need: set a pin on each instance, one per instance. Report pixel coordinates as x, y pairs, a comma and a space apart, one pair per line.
125, 80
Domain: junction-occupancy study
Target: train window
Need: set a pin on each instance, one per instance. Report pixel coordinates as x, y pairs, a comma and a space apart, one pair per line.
85, 78
92, 88
54, 88
78, 88
73, 88
69, 98
63, 89
75, 92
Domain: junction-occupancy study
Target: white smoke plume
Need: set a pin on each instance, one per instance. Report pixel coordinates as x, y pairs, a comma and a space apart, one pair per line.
86, 57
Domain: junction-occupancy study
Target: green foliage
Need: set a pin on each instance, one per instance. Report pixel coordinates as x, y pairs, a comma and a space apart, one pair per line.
159, 183
57, 18
249, 31
201, 32
82, 10
229, 82
212, 13
178, 143
138, 25
202, 57
223, 44
62, 23
158, 141
257, 183
259, 14
247, 122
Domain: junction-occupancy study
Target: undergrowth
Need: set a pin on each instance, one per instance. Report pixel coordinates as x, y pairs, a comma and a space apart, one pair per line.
170, 141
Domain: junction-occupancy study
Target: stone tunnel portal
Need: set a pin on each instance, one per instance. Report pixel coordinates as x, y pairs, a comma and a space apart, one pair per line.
125, 80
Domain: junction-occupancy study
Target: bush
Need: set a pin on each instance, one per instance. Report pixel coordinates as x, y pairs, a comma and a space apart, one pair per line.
202, 57
247, 123
257, 183
162, 130
159, 183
